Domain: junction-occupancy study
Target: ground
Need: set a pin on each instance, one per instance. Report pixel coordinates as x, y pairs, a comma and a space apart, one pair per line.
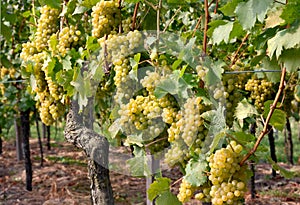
63, 180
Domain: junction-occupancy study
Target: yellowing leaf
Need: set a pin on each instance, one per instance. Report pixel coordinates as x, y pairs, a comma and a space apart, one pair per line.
274, 18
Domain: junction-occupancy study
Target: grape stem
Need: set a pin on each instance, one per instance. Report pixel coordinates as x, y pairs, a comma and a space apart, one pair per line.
172, 19
234, 59
133, 25
197, 26
265, 128
205, 25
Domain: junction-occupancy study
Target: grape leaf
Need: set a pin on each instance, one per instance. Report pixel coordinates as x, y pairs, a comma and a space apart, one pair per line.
285, 39
243, 110
244, 137
138, 164
291, 12
213, 25
291, 59
79, 10
222, 33
285, 173
273, 18
297, 93
229, 8
278, 119
268, 64
53, 3
158, 187
167, 198
196, 171
248, 12
66, 62
215, 71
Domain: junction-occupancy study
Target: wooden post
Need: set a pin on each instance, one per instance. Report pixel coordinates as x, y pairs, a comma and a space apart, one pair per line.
153, 165
19, 148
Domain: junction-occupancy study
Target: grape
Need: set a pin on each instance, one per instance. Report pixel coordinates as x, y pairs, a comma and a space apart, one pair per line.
226, 187
106, 17
260, 91
185, 191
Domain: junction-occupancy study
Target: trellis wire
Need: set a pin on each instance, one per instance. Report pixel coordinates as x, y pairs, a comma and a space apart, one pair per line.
252, 71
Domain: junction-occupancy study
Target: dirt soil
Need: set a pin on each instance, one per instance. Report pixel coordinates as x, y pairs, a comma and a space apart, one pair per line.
63, 180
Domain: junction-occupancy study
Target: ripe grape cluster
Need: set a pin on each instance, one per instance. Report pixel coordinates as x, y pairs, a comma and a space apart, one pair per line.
49, 94
68, 36
47, 25
186, 130
186, 191
260, 91
106, 17
226, 187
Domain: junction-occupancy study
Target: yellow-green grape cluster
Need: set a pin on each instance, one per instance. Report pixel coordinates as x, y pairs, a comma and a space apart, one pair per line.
233, 96
56, 91
126, 90
260, 91
203, 194
118, 47
191, 120
7, 72
126, 25
122, 71
47, 25
186, 191
201, 72
226, 188
186, 130
68, 36
143, 113
49, 109
106, 17
151, 80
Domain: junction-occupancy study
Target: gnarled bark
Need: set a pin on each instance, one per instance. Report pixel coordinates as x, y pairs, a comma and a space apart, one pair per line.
96, 148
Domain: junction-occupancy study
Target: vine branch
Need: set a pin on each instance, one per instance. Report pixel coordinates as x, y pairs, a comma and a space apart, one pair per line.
205, 25
234, 59
136, 7
265, 128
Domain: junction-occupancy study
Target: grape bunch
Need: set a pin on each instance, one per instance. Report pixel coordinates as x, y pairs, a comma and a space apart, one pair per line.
186, 132
67, 38
260, 90
106, 17
227, 185
47, 25
186, 191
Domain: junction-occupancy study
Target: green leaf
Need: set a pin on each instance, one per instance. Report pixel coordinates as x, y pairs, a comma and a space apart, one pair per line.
134, 62
285, 173
278, 119
268, 64
52, 3
248, 12
79, 10
138, 164
167, 198
229, 8
244, 110
176, 64
291, 12
291, 59
273, 18
215, 70
196, 171
244, 137
26, 14
285, 39
213, 25
66, 62
222, 33
217, 141
158, 187
297, 93
53, 42
174, 84
5, 32
89, 3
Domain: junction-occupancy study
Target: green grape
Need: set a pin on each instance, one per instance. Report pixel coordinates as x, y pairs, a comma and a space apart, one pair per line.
106, 17
226, 187
47, 25
260, 91
186, 191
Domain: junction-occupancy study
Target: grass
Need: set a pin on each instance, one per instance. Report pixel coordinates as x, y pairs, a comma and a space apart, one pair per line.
280, 194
